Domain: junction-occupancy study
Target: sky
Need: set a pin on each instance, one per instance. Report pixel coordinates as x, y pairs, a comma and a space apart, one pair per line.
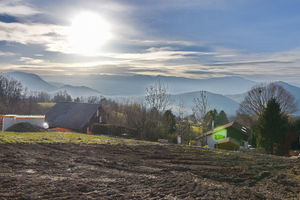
254, 39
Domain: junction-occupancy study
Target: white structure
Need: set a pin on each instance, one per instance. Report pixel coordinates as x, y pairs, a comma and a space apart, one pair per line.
211, 142
178, 139
7, 121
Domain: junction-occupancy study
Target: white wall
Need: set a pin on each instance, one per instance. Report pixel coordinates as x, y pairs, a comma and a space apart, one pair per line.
8, 122
211, 142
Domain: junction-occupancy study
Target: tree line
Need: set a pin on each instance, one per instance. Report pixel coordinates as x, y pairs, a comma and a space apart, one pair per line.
154, 117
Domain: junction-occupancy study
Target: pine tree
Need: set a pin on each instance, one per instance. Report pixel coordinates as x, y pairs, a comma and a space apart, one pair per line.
221, 118
272, 127
169, 122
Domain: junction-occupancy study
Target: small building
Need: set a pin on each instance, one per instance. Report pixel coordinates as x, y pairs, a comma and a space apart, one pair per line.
7, 121
75, 116
230, 136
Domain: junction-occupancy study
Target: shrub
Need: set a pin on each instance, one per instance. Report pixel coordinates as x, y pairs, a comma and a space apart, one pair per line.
113, 130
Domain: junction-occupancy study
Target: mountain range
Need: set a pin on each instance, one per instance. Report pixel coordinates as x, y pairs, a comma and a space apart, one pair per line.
223, 93
136, 84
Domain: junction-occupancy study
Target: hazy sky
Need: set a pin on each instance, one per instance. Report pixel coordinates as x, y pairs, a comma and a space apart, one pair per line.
255, 39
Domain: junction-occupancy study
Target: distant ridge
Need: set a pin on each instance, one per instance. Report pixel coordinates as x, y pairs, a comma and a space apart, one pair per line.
31, 81
215, 101
78, 91
136, 84
34, 82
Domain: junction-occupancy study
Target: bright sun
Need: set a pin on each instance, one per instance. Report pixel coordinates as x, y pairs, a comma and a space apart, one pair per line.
88, 32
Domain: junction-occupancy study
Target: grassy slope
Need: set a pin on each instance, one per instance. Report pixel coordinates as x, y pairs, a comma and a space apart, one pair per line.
64, 137
47, 104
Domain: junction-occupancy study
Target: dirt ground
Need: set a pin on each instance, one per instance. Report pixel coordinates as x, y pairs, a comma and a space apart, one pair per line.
81, 171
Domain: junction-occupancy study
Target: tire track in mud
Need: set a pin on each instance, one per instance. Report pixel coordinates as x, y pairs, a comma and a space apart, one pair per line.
81, 171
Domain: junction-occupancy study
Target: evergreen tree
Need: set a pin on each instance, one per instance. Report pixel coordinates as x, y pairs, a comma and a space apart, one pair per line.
212, 117
221, 119
169, 122
272, 127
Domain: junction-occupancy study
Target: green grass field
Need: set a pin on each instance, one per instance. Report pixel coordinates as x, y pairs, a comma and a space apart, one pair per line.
47, 104
197, 129
65, 137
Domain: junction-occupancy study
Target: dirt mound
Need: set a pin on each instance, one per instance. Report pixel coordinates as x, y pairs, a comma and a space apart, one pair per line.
25, 127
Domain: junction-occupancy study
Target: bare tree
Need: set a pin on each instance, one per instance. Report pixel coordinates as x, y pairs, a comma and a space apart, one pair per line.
10, 94
62, 96
93, 99
200, 106
183, 125
136, 117
257, 98
181, 109
157, 96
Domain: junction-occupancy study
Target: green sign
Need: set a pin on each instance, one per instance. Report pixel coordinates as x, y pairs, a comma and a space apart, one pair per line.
220, 134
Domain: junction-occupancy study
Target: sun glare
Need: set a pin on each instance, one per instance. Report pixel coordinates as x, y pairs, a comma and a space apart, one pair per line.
88, 33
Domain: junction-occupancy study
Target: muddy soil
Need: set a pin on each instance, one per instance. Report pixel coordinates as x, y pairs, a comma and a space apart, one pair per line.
81, 171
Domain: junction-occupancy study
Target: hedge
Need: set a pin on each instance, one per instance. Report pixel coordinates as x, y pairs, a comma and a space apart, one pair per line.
113, 130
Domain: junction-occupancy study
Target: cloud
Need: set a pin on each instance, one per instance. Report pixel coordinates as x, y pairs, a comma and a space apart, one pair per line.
30, 33
173, 62
187, 4
135, 70
16, 8
31, 61
155, 54
200, 72
240, 63
160, 42
3, 53
133, 50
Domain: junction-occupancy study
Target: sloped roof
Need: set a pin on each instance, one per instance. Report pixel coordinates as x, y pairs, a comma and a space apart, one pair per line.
71, 115
233, 124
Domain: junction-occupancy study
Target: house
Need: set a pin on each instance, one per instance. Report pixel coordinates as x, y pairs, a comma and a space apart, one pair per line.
75, 116
230, 136
7, 121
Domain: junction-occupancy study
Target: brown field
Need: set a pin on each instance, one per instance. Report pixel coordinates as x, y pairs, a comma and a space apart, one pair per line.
104, 171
